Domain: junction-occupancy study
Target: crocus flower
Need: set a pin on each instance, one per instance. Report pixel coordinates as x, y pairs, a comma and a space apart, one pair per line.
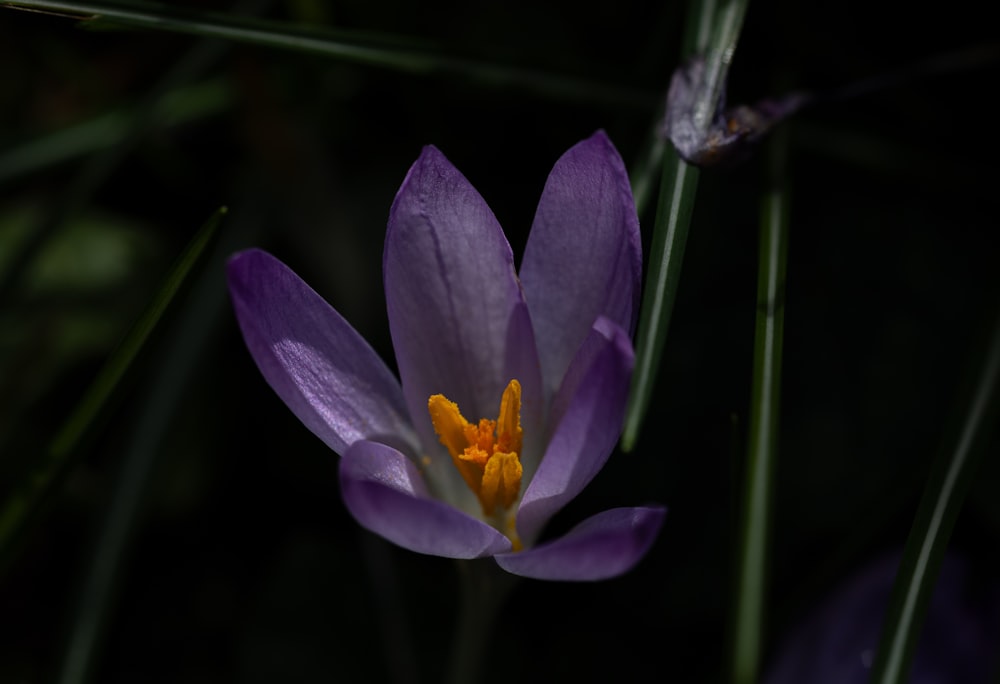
837, 643
512, 385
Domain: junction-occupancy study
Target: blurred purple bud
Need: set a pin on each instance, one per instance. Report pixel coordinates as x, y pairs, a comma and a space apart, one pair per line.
836, 643
729, 135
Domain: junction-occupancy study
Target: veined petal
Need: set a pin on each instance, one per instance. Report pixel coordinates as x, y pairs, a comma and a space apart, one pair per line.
588, 429
602, 546
386, 494
450, 287
326, 373
521, 362
583, 258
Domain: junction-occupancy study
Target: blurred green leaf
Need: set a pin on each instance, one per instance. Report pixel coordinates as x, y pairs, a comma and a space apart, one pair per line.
94, 252
74, 298
44, 474
391, 52
179, 106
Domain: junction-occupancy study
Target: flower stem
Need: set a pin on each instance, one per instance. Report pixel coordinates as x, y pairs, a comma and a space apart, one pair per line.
484, 589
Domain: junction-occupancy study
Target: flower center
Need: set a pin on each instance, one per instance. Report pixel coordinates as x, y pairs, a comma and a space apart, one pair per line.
487, 454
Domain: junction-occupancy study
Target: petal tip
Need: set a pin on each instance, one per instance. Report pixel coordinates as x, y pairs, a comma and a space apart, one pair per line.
423, 176
238, 262
600, 143
600, 138
602, 547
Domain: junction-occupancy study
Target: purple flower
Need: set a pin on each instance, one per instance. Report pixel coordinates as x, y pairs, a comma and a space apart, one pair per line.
513, 384
836, 644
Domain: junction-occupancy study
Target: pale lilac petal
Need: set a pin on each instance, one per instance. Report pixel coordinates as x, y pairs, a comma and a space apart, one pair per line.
521, 362
596, 342
602, 546
588, 429
386, 494
450, 288
583, 258
326, 373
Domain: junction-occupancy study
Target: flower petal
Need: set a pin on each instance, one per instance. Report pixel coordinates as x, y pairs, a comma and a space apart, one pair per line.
326, 373
385, 493
602, 546
584, 254
589, 426
836, 643
521, 362
450, 287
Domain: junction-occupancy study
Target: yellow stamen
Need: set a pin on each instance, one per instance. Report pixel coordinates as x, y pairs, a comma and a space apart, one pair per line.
501, 481
509, 433
448, 423
451, 429
486, 454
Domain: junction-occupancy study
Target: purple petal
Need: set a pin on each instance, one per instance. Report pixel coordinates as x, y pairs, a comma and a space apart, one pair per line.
522, 363
588, 429
836, 644
583, 258
450, 289
601, 547
385, 493
326, 373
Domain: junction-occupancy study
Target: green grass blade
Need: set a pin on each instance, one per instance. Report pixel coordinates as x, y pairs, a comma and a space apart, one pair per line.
947, 485
184, 340
765, 403
382, 51
678, 187
712, 30
718, 56
648, 168
17, 509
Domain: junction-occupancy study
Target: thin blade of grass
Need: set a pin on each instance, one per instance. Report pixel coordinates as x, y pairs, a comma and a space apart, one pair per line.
390, 52
17, 509
719, 52
184, 340
765, 404
945, 491
713, 30
678, 187
648, 169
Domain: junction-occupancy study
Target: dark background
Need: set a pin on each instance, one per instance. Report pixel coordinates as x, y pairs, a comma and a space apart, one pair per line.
244, 565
